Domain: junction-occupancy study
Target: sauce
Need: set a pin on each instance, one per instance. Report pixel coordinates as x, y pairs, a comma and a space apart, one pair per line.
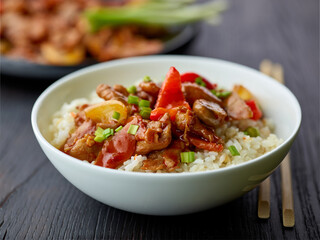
118, 149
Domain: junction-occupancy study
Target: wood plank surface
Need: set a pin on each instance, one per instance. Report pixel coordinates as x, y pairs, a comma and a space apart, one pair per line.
36, 202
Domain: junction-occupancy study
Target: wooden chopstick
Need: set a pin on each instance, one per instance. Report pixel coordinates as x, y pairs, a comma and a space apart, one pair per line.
264, 188
276, 71
264, 199
287, 196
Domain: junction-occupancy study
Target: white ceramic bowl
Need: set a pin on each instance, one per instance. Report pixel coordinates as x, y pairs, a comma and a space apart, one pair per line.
167, 193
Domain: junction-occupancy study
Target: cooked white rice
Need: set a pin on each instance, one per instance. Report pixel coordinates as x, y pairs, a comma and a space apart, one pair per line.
248, 147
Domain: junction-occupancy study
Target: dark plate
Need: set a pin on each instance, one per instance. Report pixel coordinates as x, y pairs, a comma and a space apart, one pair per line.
25, 69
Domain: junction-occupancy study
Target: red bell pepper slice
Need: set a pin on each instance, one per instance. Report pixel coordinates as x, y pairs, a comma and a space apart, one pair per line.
191, 77
157, 113
170, 96
257, 113
202, 144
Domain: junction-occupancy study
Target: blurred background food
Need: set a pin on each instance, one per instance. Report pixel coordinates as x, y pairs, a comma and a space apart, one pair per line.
66, 33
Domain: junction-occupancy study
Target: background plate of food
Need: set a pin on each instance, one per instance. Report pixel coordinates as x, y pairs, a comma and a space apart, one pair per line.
49, 39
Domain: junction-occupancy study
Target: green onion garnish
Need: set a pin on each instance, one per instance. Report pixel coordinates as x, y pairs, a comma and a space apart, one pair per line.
133, 129
116, 115
145, 112
99, 131
133, 100
200, 82
233, 150
118, 129
223, 94
214, 92
147, 79
132, 89
144, 103
99, 138
101, 134
252, 132
187, 157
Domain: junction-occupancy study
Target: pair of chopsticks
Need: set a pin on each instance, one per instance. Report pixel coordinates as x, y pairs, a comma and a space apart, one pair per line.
276, 71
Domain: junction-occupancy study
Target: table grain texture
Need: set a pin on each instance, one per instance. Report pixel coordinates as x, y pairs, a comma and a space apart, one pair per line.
36, 202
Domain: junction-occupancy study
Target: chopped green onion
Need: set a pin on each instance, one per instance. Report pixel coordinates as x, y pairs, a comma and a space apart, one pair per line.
147, 79
223, 94
99, 131
252, 132
116, 115
108, 132
118, 129
133, 100
99, 138
187, 157
132, 89
145, 112
133, 129
144, 103
101, 134
233, 150
214, 92
200, 82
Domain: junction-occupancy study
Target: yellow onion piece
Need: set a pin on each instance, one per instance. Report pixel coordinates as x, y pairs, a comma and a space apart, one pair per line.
243, 92
103, 112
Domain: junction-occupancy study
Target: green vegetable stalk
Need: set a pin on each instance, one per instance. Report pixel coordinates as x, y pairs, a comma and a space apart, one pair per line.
154, 13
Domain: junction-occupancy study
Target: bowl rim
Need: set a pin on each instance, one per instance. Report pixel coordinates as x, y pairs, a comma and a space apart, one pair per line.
133, 60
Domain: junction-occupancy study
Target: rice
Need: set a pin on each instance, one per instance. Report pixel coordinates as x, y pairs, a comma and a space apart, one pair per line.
63, 122
231, 132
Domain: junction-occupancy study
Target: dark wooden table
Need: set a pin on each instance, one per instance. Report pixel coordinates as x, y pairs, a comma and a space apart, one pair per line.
36, 202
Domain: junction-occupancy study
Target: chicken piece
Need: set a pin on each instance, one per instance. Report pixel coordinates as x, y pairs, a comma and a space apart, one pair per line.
156, 136
237, 108
193, 91
148, 91
87, 127
85, 148
186, 122
121, 89
194, 133
107, 93
81, 143
209, 112
146, 96
80, 116
154, 162
167, 159
150, 88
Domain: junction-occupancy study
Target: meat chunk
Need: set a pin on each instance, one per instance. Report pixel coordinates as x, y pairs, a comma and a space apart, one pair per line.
167, 159
148, 91
186, 122
121, 89
81, 143
193, 91
85, 148
150, 88
119, 147
156, 136
209, 112
81, 116
237, 108
107, 93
